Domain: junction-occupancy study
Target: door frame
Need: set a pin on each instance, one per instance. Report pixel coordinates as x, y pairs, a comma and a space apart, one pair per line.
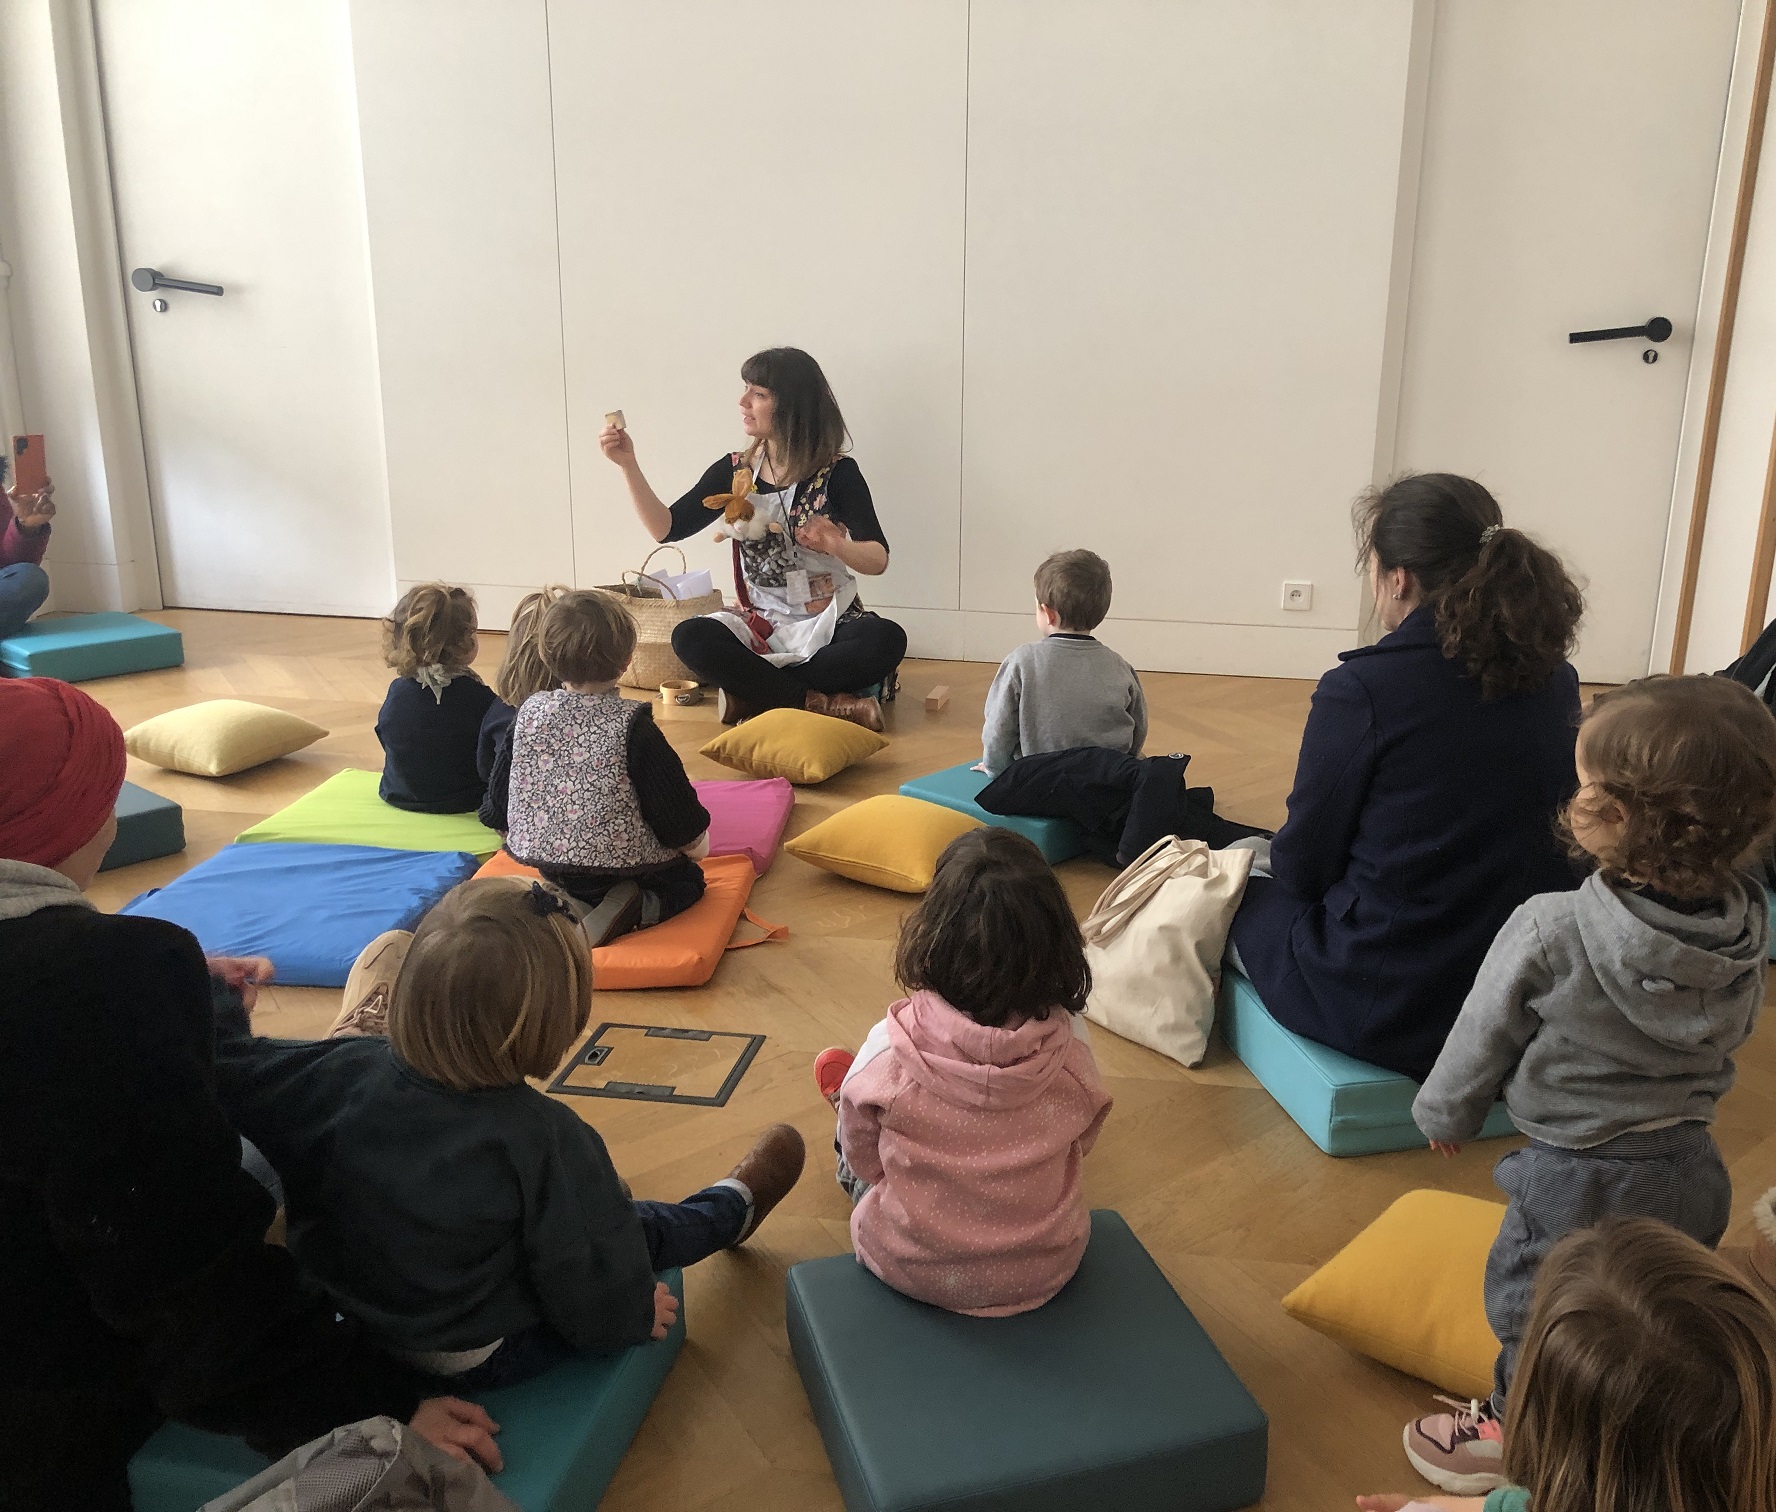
1722, 266
90, 386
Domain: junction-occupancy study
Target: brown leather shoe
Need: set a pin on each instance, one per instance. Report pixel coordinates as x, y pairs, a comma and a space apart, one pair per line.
860, 711
770, 1168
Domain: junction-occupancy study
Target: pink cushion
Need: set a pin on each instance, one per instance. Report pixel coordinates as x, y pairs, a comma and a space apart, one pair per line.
747, 818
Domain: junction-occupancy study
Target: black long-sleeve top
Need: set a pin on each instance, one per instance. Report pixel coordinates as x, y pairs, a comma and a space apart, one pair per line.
133, 1260
430, 745
442, 1220
848, 501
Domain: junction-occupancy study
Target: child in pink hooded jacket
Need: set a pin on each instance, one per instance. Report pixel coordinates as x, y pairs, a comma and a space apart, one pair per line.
964, 1118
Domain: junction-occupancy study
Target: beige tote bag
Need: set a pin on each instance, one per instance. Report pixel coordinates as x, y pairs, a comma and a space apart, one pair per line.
1154, 943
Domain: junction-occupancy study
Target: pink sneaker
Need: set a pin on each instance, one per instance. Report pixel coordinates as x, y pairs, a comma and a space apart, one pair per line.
1462, 1452
830, 1067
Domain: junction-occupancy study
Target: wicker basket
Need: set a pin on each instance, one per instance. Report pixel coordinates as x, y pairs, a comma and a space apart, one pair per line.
655, 617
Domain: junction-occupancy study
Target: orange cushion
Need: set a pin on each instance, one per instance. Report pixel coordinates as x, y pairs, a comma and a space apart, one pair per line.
682, 952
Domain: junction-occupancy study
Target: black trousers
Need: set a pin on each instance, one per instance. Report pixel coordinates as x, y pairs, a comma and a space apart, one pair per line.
863, 651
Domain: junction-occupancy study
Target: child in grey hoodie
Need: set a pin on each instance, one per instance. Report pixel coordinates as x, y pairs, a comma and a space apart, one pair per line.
1608, 1017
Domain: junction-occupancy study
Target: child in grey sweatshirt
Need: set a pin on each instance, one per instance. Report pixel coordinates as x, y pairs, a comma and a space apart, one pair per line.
1608, 1017
1068, 689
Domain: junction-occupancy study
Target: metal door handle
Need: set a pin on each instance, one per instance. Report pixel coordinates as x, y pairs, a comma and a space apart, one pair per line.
1656, 329
150, 279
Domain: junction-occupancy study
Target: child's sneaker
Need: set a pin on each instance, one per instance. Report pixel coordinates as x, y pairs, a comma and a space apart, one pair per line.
830, 1067
1462, 1452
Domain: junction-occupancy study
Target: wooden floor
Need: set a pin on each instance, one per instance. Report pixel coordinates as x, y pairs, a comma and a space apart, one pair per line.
1233, 1201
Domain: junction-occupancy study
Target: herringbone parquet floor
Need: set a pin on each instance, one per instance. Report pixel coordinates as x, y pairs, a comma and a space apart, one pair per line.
1232, 1200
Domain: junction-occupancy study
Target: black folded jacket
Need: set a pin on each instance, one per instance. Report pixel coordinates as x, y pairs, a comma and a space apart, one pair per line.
1123, 803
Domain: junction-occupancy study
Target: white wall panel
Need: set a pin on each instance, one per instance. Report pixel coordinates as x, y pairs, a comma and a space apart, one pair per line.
731, 180
1180, 235
453, 100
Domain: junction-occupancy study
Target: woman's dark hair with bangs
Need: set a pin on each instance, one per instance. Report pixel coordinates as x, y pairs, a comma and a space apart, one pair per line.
995, 936
1506, 608
807, 429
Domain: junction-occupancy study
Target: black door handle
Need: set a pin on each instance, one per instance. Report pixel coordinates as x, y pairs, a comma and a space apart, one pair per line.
150, 279
1656, 329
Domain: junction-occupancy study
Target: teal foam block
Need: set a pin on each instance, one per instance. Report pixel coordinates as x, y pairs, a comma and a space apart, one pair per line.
148, 827
1344, 1105
80, 647
563, 1434
957, 787
1110, 1395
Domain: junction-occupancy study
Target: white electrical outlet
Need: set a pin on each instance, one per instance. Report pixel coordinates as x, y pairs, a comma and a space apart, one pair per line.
1298, 596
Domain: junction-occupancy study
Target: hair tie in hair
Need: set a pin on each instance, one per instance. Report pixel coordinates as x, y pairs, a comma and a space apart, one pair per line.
544, 901
1488, 533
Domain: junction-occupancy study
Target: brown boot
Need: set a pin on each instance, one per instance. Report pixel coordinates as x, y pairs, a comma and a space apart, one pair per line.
371, 985
768, 1170
860, 711
815, 703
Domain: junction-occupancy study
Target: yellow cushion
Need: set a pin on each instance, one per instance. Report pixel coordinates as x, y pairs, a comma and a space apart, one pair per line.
793, 743
1408, 1291
889, 841
222, 736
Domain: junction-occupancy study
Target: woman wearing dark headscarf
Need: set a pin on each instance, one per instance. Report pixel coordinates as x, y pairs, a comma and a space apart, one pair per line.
136, 1279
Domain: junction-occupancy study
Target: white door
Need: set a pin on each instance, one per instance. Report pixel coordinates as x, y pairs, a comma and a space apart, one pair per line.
1568, 175
232, 129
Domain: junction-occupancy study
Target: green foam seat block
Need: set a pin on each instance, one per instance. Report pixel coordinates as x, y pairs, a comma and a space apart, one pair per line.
1109, 1395
80, 647
345, 810
148, 827
957, 787
1344, 1105
562, 1434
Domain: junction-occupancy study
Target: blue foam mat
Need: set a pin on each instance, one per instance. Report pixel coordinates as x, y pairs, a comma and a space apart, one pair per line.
80, 647
1344, 1105
957, 788
148, 827
1109, 1395
562, 1434
310, 908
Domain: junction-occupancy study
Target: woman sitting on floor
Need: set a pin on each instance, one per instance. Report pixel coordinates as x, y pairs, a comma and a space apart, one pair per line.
1432, 769
805, 640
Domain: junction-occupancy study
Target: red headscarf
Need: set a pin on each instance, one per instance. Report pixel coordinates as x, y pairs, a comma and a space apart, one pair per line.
61, 767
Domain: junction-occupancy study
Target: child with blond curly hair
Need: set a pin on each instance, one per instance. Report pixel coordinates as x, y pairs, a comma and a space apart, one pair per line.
430, 722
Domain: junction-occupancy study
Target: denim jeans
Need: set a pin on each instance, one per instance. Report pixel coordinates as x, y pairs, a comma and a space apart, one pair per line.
677, 1234
23, 588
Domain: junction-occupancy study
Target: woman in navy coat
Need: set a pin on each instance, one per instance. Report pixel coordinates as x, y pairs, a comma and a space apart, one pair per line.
1432, 771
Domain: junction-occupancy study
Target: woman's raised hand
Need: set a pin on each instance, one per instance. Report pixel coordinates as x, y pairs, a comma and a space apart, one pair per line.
35, 510
618, 445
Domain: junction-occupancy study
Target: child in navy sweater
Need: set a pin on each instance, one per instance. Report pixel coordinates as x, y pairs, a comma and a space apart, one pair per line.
430, 721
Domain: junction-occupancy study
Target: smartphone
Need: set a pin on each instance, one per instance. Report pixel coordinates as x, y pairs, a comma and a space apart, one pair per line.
29, 470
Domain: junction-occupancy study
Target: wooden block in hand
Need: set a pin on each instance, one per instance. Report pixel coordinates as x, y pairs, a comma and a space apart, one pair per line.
615, 418
937, 700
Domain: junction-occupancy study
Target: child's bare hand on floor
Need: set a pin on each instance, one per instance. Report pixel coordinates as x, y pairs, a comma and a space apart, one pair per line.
1447, 1149
665, 1310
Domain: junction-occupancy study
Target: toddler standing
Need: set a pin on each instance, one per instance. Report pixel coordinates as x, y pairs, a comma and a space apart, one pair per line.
431, 719
1608, 1017
965, 1117
1068, 689
598, 800
473, 1224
